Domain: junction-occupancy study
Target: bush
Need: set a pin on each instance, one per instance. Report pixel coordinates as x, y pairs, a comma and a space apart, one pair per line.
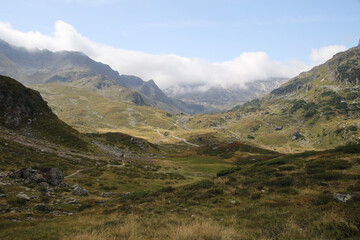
329, 176
167, 189
282, 182
255, 196
288, 191
350, 148
228, 171
203, 184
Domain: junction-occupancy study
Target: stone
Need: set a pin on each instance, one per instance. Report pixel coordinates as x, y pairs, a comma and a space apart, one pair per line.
23, 196
80, 191
340, 197
106, 194
278, 128
52, 176
42, 207
44, 184
297, 136
4, 174
73, 201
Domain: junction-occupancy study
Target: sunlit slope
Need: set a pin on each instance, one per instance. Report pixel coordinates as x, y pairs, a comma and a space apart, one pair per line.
318, 109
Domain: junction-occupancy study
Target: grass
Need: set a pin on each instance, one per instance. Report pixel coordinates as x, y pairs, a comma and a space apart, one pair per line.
273, 196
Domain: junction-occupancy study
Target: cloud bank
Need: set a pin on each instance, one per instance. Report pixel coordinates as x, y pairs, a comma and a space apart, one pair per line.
323, 54
165, 69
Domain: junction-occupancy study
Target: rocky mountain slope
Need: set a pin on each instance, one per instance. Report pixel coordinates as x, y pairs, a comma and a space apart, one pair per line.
77, 69
318, 109
23, 110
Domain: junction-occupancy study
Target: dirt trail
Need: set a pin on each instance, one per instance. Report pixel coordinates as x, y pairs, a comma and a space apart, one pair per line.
73, 174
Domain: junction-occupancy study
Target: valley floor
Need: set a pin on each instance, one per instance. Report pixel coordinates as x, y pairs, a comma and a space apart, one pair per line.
225, 190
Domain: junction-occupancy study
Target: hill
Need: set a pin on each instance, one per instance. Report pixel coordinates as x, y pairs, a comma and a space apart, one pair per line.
23, 110
318, 109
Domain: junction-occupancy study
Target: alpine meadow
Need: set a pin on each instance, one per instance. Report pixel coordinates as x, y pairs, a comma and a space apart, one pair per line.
206, 120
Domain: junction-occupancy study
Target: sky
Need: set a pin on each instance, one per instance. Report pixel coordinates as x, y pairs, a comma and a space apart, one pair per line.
175, 42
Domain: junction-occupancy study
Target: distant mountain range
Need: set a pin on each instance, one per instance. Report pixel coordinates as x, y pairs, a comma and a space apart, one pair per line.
78, 70
218, 98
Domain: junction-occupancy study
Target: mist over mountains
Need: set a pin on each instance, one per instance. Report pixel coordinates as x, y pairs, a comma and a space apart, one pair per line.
77, 69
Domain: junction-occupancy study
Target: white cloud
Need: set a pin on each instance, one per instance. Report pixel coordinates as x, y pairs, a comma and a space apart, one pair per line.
165, 69
323, 54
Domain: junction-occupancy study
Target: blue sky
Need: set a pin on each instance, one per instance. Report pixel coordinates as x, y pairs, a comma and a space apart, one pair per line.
213, 31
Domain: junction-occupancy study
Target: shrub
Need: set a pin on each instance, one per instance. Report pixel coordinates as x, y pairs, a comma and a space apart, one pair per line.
288, 191
255, 196
329, 176
282, 182
167, 189
228, 171
350, 148
203, 184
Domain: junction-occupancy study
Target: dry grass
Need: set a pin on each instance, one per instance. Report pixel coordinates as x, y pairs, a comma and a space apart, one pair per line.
132, 227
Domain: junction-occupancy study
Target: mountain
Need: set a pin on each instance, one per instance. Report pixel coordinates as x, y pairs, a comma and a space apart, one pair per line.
23, 110
77, 69
318, 109
219, 98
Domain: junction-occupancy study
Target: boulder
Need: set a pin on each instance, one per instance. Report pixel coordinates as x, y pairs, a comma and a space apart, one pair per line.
278, 128
340, 197
80, 191
297, 136
23, 196
52, 176
106, 194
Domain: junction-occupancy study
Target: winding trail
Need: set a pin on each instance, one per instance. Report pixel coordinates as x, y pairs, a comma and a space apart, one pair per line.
73, 174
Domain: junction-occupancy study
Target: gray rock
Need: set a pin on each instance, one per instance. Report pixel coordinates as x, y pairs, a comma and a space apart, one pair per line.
106, 194
297, 136
23, 196
42, 207
278, 128
340, 197
73, 201
52, 176
80, 191
4, 174
44, 184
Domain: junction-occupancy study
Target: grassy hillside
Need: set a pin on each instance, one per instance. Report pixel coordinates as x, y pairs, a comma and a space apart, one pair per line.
318, 109
23, 109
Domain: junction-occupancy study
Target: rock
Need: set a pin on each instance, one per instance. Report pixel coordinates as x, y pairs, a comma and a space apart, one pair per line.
42, 207
80, 191
52, 176
23, 196
4, 174
297, 136
232, 201
44, 184
106, 194
340, 197
278, 128
73, 201
100, 201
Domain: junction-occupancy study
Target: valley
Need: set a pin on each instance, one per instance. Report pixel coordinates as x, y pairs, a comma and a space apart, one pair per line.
115, 162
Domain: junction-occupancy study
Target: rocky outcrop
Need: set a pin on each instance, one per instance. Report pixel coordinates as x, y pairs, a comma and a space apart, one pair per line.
51, 176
